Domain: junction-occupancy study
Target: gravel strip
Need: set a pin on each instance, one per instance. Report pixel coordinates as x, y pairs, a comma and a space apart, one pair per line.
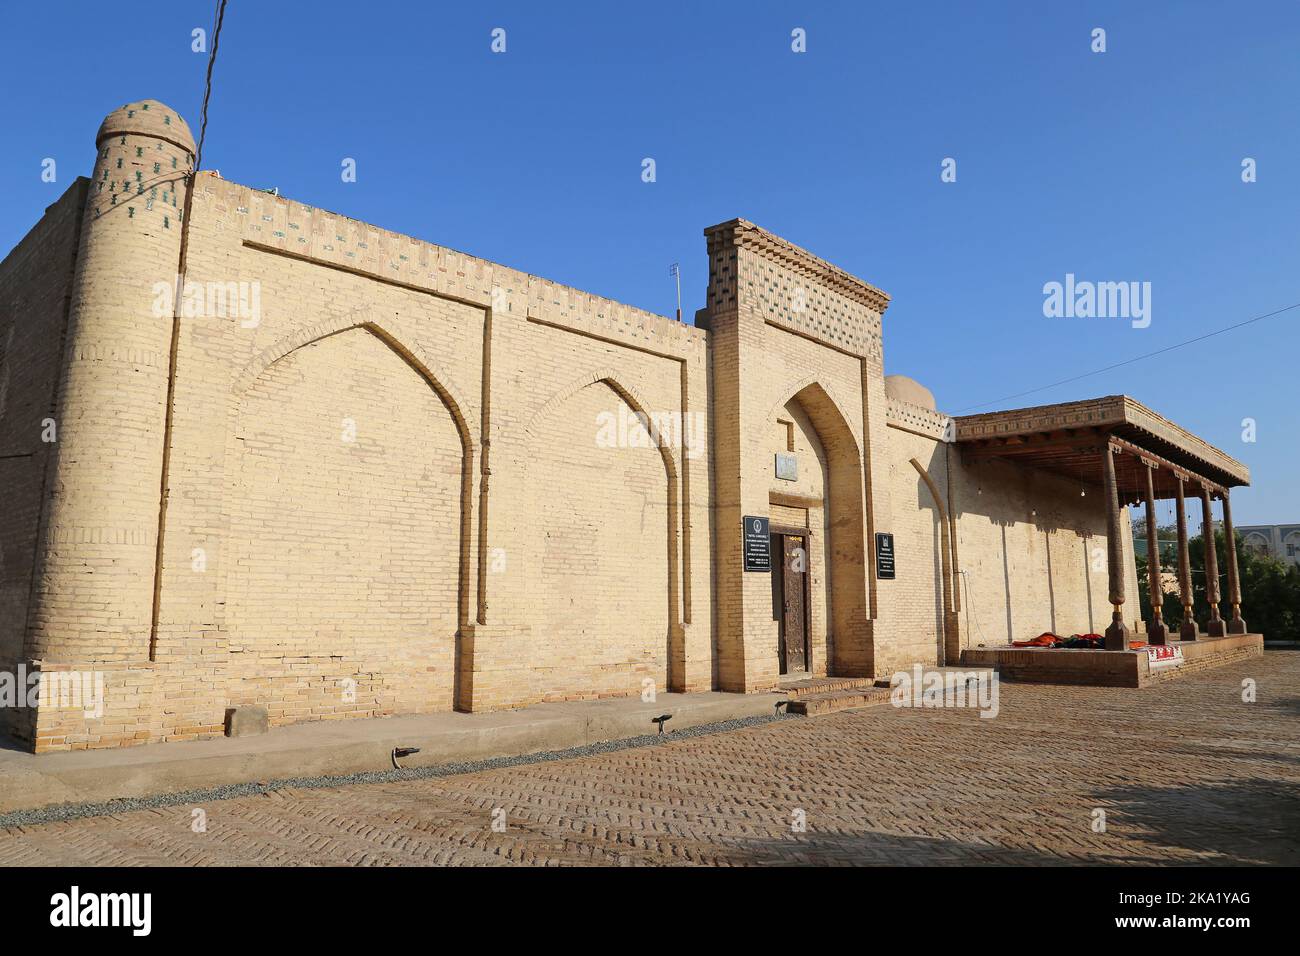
76, 811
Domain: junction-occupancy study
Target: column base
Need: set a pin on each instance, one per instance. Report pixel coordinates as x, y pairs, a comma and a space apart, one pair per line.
1118, 636
1157, 632
1236, 626
1189, 631
1216, 627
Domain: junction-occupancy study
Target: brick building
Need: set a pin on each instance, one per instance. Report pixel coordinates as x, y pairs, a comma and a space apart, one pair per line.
347, 473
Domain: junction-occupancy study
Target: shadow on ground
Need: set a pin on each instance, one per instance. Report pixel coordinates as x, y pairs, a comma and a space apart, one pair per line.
892, 849
1287, 705
1224, 824
1253, 821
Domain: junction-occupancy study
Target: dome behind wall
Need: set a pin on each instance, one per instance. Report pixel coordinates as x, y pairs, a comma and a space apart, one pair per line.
909, 390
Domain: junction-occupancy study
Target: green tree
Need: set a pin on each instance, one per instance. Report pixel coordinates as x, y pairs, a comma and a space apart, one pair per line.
1270, 590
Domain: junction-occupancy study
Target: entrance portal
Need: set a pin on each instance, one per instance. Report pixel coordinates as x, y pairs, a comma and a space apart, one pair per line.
790, 600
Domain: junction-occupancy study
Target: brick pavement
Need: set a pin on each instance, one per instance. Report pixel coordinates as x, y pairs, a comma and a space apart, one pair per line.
1185, 771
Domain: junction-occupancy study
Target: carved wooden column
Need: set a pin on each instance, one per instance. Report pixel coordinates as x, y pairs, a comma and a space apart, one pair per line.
1235, 625
1117, 635
1189, 631
1157, 633
1214, 627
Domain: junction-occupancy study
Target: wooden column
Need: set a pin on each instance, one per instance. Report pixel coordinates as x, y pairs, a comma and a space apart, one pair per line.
1189, 631
1157, 633
1214, 627
1117, 635
1235, 625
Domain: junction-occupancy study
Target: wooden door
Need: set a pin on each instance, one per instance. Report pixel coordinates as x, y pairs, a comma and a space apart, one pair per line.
794, 604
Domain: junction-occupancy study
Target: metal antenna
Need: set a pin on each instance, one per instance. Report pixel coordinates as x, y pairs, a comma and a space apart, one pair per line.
675, 270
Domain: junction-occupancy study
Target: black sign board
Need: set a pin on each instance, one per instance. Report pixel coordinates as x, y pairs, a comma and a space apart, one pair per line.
758, 544
884, 555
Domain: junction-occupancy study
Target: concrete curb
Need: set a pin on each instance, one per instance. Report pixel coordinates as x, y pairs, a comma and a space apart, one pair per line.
342, 748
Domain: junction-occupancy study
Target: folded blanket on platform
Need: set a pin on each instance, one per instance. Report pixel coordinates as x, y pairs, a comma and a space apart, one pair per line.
1095, 642
1046, 639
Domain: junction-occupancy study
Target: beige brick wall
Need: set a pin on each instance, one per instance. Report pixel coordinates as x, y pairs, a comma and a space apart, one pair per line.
595, 551
411, 480
35, 288
1033, 550
584, 546
341, 551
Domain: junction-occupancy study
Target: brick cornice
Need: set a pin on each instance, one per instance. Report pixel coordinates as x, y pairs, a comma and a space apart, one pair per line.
743, 234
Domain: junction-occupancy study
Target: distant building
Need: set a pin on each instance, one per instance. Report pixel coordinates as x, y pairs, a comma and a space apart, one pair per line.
1168, 548
1277, 540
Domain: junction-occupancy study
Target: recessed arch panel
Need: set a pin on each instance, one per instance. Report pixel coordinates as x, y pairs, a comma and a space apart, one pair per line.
345, 555
601, 546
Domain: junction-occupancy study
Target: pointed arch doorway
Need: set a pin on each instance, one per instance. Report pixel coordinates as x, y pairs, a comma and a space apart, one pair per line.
816, 504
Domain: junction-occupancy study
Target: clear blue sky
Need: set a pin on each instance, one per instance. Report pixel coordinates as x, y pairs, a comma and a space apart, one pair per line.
1124, 165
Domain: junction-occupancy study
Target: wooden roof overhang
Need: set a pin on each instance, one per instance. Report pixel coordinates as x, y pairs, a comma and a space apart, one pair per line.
1068, 440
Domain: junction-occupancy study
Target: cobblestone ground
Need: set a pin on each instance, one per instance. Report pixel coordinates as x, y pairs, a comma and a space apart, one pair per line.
1185, 772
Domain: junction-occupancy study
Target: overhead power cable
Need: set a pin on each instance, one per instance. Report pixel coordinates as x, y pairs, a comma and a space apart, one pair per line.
207, 85
1139, 358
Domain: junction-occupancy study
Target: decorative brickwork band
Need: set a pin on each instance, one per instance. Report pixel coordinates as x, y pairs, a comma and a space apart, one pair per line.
741, 233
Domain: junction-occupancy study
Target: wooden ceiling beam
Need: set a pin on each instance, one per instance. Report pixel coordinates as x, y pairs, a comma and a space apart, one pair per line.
1018, 445
1165, 465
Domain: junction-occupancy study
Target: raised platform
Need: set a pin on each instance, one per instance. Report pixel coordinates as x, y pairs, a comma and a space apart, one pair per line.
337, 747
1134, 668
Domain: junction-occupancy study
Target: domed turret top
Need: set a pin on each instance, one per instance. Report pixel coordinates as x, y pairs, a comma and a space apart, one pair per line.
147, 118
909, 390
